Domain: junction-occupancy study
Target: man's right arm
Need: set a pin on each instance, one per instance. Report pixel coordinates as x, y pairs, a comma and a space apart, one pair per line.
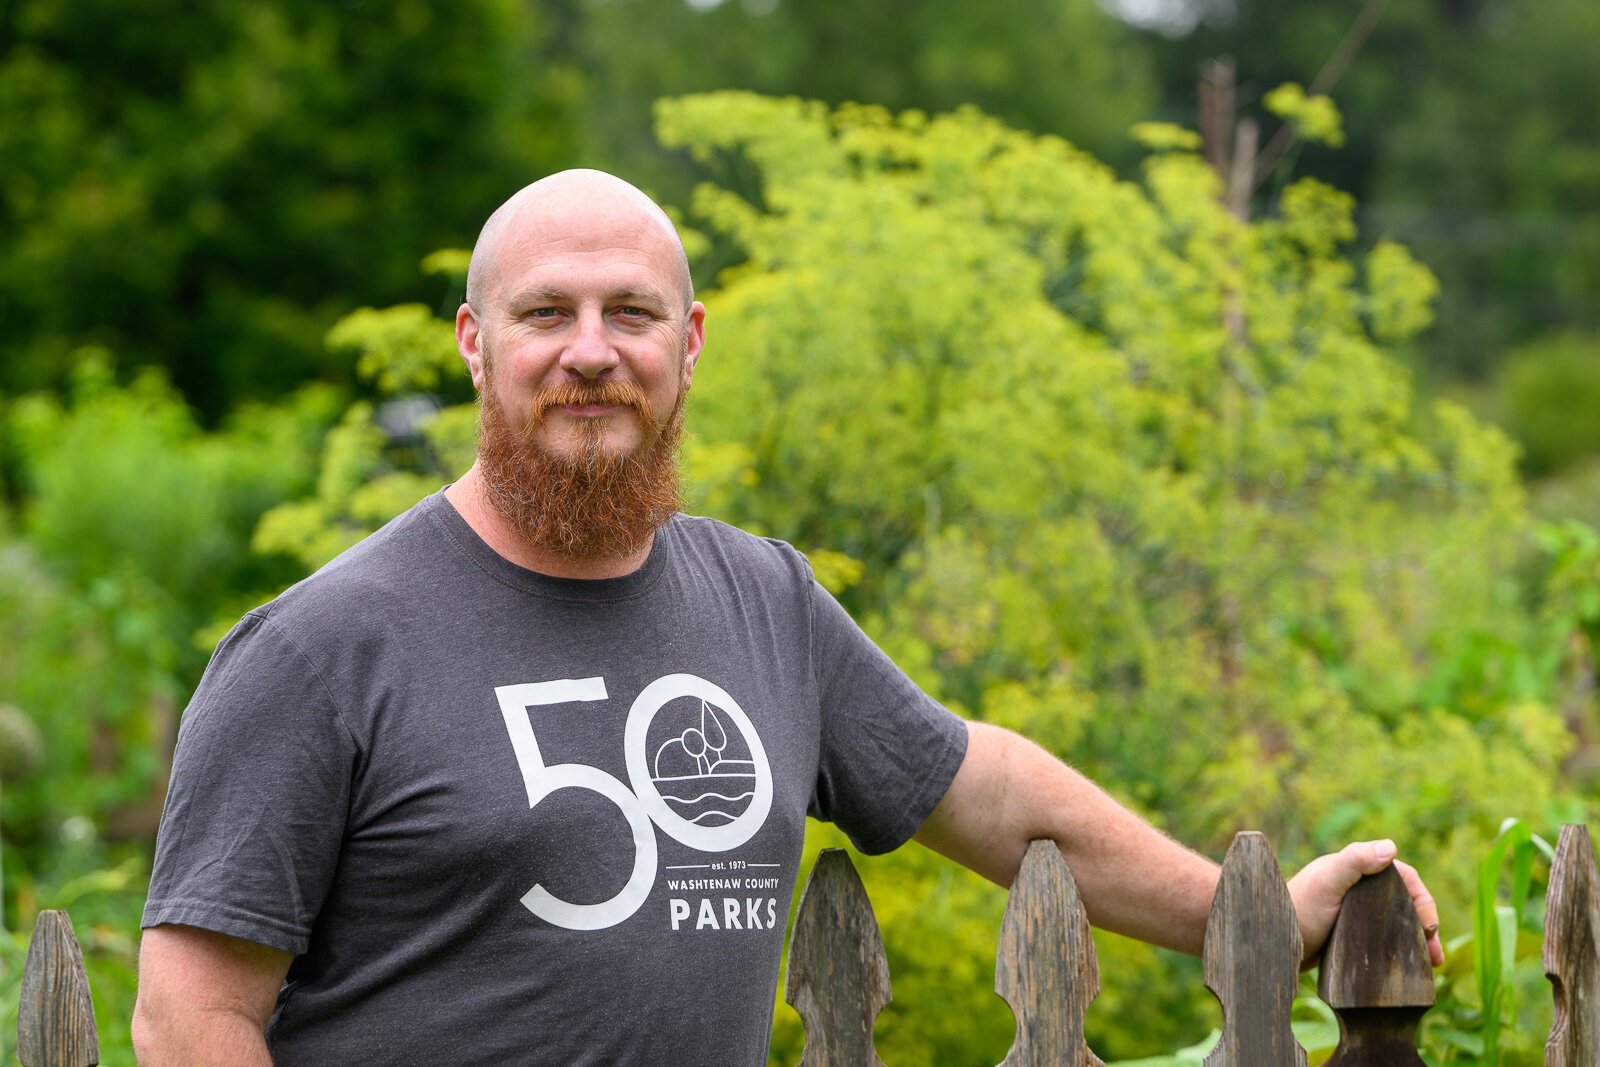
204, 998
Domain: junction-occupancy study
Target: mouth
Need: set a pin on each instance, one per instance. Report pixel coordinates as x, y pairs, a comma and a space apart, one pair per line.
590, 408
591, 411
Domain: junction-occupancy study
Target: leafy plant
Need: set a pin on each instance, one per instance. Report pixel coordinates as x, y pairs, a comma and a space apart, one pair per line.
1315, 1027
1495, 926
1493, 1003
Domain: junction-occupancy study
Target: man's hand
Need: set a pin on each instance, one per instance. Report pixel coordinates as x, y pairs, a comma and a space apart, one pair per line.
1319, 888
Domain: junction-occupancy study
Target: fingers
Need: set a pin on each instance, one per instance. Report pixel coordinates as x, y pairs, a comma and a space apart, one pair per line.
1319, 889
1334, 874
1427, 910
1369, 857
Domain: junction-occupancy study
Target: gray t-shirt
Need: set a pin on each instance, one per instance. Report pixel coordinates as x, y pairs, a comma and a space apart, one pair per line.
507, 818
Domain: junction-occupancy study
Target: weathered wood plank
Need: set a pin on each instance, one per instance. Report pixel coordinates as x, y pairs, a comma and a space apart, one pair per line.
1252, 959
838, 975
1376, 975
1571, 958
1046, 968
55, 1017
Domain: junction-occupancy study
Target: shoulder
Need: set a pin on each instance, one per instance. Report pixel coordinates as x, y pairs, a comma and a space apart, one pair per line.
371, 580
722, 549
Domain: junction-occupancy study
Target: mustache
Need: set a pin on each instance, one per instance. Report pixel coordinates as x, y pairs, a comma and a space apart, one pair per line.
620, 392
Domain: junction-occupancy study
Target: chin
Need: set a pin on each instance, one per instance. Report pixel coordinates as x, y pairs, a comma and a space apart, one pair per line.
580, 442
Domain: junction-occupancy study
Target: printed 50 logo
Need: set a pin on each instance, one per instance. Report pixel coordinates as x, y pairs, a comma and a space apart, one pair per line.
691, 767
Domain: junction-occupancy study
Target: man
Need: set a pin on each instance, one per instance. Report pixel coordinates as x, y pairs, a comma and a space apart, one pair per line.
523, 777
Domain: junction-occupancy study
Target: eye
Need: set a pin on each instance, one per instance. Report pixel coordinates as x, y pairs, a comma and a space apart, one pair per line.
544, 316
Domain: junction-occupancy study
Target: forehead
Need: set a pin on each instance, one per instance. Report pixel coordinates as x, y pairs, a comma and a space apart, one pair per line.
595, 248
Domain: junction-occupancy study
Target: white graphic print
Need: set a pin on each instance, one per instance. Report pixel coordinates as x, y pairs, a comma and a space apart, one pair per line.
726, 798
542, 780
698, 754
752, 775
701, 769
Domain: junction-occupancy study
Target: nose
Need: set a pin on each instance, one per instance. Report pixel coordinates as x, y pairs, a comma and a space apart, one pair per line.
589, 351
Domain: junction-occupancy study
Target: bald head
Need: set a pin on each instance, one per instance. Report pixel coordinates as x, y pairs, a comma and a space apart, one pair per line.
562, 200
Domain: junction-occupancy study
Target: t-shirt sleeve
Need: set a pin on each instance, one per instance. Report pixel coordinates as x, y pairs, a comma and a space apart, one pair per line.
260, 788
889, 751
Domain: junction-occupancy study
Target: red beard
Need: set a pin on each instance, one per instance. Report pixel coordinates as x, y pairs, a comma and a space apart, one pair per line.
591, 503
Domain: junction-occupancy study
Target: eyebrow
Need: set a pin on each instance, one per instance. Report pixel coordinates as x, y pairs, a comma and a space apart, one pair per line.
538, 295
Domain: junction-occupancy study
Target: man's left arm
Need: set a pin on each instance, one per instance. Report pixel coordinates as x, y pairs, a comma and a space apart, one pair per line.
1133, 879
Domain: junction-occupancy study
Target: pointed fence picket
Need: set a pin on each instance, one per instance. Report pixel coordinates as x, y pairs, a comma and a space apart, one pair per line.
1046, 968
1252, 959
55, 1017
1375, 972
1571, 958
838, 975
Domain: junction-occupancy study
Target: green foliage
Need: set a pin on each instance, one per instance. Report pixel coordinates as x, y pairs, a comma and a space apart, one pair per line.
206, 188
1061, 66
372, 468
1400, 293
399, 349
1469, 140
1572, 583
1572, 494
1550, 389
1493, 1000
132, 534
834, 571
123, 485
133, 527
1315, 1027
1492, 142
1495, 926
1314, 117
21, 747
1162, 136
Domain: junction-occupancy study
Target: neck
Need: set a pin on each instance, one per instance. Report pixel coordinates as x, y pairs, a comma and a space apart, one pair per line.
468, 498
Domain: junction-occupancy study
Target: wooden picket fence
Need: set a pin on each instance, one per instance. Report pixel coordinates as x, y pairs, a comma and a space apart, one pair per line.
1375, 972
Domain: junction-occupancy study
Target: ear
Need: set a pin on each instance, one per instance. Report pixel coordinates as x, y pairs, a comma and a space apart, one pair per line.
469, 342
693, 341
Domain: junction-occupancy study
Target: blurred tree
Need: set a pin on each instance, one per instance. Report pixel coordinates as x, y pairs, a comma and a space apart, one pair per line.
1472, 140
1550, 392
1491, 171
131, 534
136, 524
204, 187
1059, 66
